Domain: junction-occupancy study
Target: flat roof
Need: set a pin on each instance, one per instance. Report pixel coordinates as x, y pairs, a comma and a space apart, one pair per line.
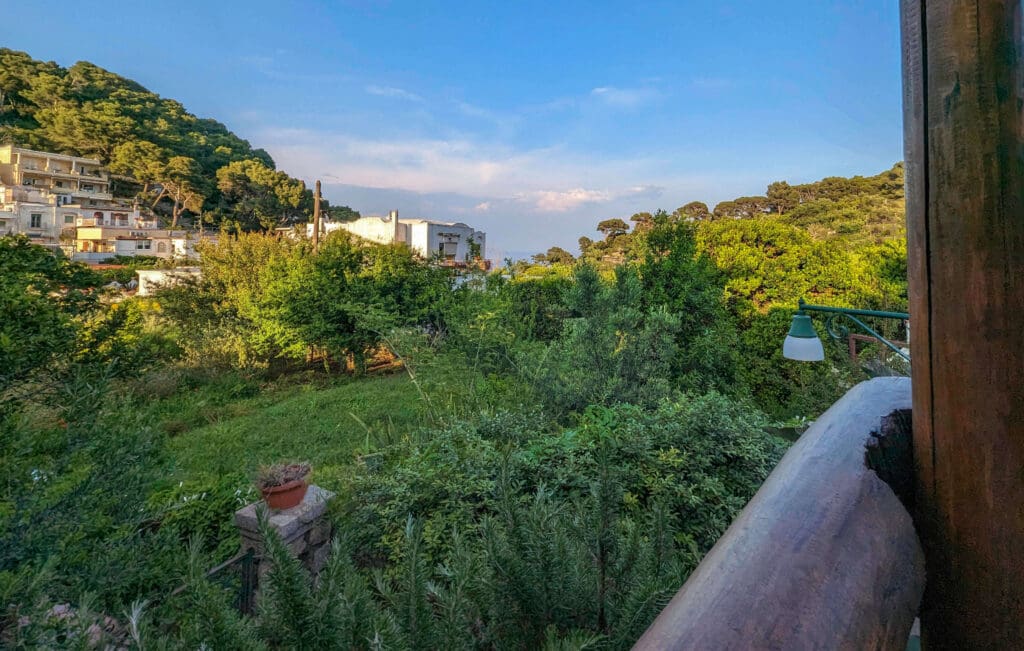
51, 154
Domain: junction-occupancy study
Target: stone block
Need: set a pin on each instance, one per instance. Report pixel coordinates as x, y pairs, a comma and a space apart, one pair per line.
297, 546
304, 529
319, 558
319, 533
288, 521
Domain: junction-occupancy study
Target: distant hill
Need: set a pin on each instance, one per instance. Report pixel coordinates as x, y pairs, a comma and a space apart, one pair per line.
855, 212
184, 165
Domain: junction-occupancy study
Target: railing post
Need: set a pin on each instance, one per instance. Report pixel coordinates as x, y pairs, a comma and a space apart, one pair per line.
825, 555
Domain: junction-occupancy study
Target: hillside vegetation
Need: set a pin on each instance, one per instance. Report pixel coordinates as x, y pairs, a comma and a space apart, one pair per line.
183, 165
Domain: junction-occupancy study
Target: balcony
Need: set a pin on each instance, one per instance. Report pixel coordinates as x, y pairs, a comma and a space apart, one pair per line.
92, 194
64, 172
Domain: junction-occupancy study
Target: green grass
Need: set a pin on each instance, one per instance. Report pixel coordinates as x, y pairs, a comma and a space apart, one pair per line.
325, 425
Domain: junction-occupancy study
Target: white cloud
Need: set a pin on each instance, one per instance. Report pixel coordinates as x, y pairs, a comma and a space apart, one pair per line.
626, 98
503, 188
392, 91
487, 171
555, 201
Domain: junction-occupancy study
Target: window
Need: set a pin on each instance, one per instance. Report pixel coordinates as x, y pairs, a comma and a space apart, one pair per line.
161, 248
69, 219
87, 187
59, 184
143, 244
35, 220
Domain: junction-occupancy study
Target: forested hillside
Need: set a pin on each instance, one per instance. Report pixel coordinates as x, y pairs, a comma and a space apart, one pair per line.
857, 213
184, 166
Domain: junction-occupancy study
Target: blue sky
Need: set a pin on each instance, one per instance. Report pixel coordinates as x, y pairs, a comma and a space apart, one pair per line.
531, 120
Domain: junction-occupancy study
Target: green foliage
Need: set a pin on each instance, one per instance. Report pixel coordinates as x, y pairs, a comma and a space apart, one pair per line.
613, 350
75, 491
516, 539
180, 163
44, 300
554, 255
264, 299
684, 282
262, 197
612, 228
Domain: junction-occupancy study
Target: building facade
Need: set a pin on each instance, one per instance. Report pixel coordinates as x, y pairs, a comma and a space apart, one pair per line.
65, 202
97, 243
71, 179
452, 242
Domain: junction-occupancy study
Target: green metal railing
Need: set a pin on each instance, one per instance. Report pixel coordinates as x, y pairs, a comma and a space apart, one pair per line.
838, 330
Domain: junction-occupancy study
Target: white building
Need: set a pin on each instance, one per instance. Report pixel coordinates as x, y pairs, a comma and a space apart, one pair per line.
448, 241
151, 280
65, 202
46, 196
98, 240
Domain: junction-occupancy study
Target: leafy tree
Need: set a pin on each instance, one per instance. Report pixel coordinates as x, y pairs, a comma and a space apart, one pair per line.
612, 228
742, 208
693, 211
554, 255
181, 181
612, 350
43, 301
678, 278
339, 213
782, 197
141, 160
263, 197
643, 221
585, 243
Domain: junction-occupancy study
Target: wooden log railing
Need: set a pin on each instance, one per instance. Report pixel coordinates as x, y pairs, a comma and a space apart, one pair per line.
825, 556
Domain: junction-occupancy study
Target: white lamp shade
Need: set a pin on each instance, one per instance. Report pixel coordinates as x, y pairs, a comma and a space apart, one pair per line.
803, 349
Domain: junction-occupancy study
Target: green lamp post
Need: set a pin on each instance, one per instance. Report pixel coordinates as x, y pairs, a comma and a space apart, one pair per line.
803, 344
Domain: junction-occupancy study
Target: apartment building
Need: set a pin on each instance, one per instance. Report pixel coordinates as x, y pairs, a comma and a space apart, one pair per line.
98, 243
66, 202
46, 196
71, 179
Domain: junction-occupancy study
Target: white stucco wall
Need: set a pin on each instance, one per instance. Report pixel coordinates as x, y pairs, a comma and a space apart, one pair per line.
428, 237
423, 236
151, 280
376, 229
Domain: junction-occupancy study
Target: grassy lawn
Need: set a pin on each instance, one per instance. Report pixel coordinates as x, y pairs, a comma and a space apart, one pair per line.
324, 425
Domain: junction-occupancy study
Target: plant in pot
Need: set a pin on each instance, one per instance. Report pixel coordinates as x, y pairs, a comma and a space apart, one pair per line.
283, 485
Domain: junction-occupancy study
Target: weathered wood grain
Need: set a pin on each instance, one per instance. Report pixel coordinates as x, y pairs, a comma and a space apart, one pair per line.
964, 126
823, 557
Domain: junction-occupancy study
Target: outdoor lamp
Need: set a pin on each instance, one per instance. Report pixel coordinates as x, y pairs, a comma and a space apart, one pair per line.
802, 343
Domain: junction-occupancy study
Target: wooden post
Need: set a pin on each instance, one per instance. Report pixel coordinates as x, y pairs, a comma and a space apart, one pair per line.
316, 218
964, 138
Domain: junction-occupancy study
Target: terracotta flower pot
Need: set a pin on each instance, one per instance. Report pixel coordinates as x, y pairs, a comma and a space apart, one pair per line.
285, 496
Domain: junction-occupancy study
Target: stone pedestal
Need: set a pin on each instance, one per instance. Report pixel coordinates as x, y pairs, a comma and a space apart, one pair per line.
305, 529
